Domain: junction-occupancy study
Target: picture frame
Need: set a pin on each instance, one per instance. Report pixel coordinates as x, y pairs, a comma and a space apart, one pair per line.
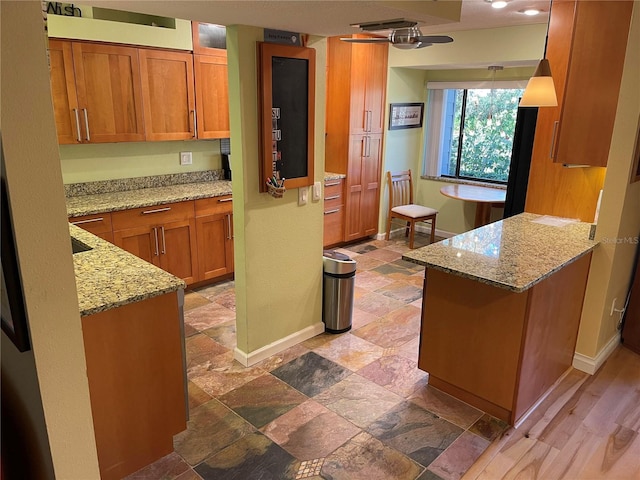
13, 312
635, 170
405, 115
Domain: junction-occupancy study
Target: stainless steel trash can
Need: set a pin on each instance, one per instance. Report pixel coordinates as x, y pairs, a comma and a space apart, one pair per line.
337, 291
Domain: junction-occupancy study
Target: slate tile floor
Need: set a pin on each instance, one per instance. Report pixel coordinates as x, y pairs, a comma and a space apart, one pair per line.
349, 406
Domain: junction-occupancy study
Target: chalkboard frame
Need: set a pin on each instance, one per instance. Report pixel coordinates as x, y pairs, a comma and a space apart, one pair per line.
266, 53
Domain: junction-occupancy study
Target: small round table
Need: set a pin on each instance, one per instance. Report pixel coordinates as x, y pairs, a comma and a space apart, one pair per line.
484, 198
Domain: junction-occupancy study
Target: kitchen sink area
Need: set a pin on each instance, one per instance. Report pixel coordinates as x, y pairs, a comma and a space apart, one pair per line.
78, 247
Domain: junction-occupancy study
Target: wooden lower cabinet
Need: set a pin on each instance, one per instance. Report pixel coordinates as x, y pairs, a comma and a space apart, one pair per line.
333, 232
99, 225
214, 229
498, 350
164, 236
136, 383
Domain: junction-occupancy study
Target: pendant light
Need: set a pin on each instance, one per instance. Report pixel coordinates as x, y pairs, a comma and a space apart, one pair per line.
492, 69
540, 91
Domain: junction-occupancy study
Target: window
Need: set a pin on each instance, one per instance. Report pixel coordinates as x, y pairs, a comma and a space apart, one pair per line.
470, 132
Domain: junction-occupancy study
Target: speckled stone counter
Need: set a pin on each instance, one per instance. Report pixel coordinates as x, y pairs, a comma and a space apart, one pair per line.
333, 176
108, 277
145, 197
514, 254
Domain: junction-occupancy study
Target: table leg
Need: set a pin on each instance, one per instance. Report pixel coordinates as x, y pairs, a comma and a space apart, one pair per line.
483, 214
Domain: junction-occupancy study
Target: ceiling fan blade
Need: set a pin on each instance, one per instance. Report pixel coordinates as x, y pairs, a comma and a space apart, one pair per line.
365, 40
434, 39
422, 45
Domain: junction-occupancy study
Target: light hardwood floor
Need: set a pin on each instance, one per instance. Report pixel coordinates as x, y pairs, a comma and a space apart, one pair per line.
588, 428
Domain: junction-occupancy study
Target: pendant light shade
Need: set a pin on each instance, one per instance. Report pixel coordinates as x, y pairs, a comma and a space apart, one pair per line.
540, 91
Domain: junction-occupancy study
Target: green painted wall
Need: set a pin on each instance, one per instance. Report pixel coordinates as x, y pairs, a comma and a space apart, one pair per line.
108, 161
278, 244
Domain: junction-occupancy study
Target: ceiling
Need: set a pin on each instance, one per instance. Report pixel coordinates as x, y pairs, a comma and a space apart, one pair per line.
329, 18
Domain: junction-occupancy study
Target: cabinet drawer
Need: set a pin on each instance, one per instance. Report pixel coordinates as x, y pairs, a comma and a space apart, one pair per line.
99, 223
209, 206
333, 226
332, 188
169, 212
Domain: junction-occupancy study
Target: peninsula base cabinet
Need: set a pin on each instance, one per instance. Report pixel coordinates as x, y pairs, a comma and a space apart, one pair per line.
495, 349
136, 383
163, 235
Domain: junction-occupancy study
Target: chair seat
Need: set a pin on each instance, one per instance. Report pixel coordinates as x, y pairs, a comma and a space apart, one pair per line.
414, 211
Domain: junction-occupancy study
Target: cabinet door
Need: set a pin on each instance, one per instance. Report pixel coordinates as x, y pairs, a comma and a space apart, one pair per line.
376, 86
370, 177
359, 113
99, 224
168, 94
215, 245
143, 242
212, 95
178, 250
593, 82
63, 92
353, 214
109, 92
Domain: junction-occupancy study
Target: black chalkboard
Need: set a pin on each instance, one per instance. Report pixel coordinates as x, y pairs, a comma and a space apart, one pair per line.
290, 113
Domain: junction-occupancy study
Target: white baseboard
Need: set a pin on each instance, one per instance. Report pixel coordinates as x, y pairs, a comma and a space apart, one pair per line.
248, 359
591, 365
419, 228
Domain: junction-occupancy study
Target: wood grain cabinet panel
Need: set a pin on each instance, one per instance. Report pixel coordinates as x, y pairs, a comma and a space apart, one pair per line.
109, 92
212, 96
99, 224
168, 94
63, 92
214, 227
333, 232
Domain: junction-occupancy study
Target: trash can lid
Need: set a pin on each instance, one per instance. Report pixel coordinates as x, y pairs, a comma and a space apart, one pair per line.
337, 263
335, 255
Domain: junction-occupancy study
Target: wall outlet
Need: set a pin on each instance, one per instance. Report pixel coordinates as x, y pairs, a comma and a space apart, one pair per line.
186, 158
303, 193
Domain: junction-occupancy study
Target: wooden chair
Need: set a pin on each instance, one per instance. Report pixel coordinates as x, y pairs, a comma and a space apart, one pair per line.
401, 205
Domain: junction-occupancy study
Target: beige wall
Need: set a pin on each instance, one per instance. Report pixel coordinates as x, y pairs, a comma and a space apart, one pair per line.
42, 236
619, 218
108, 161
278, 244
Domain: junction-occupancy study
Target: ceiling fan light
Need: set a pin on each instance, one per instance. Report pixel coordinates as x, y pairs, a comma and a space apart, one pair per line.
540, 91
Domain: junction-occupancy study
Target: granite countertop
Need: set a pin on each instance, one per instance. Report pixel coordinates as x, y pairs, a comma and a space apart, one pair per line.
333, 176
78, 206
513, 254
109, 277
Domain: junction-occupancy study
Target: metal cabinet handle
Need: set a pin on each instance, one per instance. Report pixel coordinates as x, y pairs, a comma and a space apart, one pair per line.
370, 116
78, 137
222, 200
333, 197
553, 139
228, 227
331, 184
332, 211
86, 123
164, 243
91, 220
157, 210
195, 124
155, 234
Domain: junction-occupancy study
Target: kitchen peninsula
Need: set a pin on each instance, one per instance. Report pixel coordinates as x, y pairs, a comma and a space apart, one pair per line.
501, 310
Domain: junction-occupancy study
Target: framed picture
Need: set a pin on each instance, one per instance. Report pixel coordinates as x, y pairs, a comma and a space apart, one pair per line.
635, 172
13, 313
405, 115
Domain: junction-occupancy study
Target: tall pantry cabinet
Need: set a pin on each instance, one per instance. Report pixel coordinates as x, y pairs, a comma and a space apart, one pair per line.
356, 87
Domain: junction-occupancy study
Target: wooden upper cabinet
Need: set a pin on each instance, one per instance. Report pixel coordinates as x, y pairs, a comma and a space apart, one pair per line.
368, 87
109, 92
212, 95
168, 94
209, 39
63, 92
587, 70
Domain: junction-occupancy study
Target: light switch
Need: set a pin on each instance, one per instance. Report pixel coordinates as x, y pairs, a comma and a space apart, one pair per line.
186, 158
317, 191
303, 193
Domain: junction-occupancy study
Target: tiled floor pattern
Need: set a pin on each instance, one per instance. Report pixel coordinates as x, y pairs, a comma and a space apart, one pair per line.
349, 406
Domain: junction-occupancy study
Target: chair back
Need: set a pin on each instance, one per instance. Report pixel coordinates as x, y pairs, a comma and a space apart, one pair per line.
400, 188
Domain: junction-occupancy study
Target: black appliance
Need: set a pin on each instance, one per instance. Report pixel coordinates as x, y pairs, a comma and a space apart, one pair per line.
520, 161
226, 167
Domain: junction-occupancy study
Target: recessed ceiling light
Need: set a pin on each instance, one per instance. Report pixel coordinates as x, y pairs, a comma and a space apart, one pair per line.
499, 4
530, 11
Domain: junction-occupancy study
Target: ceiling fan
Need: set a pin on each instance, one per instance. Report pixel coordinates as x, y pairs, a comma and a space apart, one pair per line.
405, 34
